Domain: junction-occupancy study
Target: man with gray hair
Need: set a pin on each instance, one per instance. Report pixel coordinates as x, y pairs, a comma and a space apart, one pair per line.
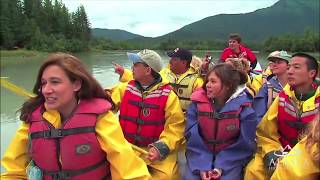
150, 114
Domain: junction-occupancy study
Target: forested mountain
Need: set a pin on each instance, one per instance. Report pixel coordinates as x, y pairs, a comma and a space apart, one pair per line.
47, 25
284, 16
44, 25
292, 25
113, 34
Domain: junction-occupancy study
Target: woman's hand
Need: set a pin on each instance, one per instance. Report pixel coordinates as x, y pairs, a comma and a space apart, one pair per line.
206, 62
205, 175
118, 68
215, 173
153, 154
211, 174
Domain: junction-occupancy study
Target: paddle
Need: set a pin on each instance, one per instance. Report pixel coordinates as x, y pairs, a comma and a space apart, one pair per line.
14, 88
19, 90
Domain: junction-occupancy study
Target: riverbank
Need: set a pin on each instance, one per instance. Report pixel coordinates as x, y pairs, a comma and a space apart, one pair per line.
33, 53
21, 53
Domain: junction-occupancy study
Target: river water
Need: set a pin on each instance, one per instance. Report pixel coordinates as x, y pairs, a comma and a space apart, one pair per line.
22, 71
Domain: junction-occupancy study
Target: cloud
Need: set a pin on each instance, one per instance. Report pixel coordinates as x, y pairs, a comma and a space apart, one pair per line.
155, 18
134, 24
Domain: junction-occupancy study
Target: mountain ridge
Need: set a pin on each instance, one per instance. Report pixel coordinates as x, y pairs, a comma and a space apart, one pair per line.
114, 34
284, 16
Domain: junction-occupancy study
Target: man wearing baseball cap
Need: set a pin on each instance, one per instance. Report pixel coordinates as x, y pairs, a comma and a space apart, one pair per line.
183, 78
150, 114
278, 62
286, 119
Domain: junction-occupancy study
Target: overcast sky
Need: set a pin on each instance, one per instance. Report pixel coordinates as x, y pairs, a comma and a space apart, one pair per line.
155, 17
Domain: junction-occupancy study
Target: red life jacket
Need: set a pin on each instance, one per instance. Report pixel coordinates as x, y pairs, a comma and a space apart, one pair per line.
73, 151
244, 52
142, 117
219, 130
291, 121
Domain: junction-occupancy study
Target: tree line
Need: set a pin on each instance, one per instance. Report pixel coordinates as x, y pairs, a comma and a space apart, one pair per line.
306, 42
47, 25
43, 25
309, 41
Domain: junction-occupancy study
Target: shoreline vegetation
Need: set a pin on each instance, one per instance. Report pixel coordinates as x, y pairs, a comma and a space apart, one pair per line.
21, 53
35, 53
24, 25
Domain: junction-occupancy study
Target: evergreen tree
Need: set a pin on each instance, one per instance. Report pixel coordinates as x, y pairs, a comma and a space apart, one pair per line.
43, 25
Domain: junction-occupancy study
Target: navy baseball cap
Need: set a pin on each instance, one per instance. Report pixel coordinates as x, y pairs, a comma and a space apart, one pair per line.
181, 53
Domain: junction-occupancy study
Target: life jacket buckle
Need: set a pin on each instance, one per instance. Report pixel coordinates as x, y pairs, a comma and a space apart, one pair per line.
137, 138
60, 175
140, 121
53, 133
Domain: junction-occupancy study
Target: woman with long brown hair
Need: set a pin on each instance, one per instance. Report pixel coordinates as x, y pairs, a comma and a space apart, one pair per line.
221, 126
69, 131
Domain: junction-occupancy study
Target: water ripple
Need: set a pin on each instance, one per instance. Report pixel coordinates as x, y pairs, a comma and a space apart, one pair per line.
5, 118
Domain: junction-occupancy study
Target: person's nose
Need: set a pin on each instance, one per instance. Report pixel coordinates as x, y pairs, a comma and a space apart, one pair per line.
208, 85
290, 71
47, 89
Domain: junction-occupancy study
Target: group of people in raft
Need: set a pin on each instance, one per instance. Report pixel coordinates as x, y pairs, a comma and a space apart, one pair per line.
190, 120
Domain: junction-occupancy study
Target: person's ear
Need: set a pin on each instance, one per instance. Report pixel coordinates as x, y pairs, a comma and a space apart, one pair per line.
77, 85
312, 73
185, 63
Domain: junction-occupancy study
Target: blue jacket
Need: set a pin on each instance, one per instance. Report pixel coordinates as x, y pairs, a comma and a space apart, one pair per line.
199, 158
260, 102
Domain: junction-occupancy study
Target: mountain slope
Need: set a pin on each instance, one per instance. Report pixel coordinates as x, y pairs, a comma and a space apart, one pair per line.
114, 34
283, 17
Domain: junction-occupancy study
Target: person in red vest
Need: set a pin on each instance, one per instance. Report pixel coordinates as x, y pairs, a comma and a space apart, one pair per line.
280, 128
69, 130
238, 50
150, 114
221, 126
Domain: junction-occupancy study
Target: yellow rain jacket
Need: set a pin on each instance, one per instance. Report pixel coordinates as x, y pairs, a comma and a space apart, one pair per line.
268, 136
124, 164
188, 82
183, 84
250, 86
298, 164
172, 135
257, 81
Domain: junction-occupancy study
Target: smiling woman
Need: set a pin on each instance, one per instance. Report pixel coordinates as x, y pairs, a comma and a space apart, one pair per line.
59, 91
64, 125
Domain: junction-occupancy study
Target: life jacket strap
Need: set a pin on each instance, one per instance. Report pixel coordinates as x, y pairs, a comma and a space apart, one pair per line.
143, 104
218, 116
296, 124
67, 174
141, 121
215, 141
140, 138
59, 133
